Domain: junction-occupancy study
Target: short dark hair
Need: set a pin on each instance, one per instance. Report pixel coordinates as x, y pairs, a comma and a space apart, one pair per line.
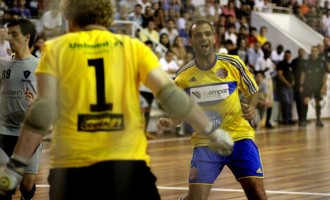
199, 22
26, 26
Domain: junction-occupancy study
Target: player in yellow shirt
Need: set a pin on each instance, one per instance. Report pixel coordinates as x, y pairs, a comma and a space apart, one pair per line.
88, 88
215, 81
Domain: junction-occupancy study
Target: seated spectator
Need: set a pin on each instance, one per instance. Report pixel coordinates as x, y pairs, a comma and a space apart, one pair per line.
170, 30
22, 9
179, 50
36, 48
147, 16
52, 22
169, 64
149, 33
252, 37
159, 19
5, 50
3, 7
165, 41
262, 36
136, 16
230, 34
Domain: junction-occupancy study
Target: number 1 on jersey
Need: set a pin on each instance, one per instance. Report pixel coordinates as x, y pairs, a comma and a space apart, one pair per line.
100, 105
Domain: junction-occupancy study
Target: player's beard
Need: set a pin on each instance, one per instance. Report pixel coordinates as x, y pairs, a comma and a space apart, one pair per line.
204, 52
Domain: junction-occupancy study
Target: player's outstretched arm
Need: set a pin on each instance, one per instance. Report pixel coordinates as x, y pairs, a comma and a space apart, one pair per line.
176, 102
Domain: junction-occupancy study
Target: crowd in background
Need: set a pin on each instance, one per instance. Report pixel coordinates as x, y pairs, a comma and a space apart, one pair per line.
165, 22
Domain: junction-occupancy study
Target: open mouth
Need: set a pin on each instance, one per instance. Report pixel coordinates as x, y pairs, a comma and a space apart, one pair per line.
204, 46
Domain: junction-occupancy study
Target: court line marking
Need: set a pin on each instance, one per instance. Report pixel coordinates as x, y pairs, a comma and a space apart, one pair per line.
240, 190
227, 190
258, 131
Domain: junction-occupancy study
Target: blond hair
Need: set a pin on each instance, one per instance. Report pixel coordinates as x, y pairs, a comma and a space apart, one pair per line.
88, 12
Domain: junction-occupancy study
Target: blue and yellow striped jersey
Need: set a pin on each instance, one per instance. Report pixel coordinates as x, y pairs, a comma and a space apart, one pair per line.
218, 92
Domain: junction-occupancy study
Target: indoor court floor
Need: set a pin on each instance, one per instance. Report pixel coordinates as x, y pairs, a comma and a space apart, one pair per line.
296, 165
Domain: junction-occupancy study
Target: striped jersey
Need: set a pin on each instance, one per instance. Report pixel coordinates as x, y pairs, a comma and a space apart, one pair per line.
99, 74
17, 90
217, 91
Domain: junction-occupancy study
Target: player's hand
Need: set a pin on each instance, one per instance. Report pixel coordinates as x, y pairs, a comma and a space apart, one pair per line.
248, 111
9, 179
165, 124
221, 142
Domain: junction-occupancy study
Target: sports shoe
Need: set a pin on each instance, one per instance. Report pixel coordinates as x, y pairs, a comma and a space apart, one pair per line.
319, 123
302, 124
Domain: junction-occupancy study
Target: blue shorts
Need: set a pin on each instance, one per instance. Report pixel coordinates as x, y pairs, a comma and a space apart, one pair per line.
245, 161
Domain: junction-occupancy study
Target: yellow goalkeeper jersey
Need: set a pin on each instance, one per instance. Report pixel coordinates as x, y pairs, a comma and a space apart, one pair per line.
218, 92
99, 75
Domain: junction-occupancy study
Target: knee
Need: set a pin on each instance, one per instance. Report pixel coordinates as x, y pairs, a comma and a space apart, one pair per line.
28, 182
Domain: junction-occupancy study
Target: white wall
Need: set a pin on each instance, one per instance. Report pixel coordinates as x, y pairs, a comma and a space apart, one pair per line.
288, 30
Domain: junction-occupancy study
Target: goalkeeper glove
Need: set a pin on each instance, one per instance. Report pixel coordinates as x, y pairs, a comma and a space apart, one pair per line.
221, 142
11, 175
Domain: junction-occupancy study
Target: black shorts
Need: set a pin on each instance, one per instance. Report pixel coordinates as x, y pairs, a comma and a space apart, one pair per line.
314, 92
149, 97
115, 180
8, 143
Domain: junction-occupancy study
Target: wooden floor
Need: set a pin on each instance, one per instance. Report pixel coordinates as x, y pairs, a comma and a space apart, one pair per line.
296, 164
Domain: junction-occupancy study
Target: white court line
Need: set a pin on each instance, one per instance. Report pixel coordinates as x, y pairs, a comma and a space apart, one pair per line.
227, 190
258, 131
239, 190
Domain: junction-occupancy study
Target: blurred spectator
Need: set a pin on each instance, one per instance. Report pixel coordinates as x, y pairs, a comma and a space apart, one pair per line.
172, 14
252, 37
21, 8
326, 23
230, 9
179, 50
149, 33
3, 7
171, 5
165, 41
266, 64
277, 54
136, 15
262, 36
304, 8
228, 45
52, 22
259, 5
5, 50
159, 19
297, 65
170, 30
144, 4
169, 64
147, 16
313, 19
313, 85
34, 8
241, 51
242, 35
284, 87
36, 48
263, 96
230, 34
254, 53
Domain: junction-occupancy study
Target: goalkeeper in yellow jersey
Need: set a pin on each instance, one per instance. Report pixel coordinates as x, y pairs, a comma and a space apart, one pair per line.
88, 88
215, 81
